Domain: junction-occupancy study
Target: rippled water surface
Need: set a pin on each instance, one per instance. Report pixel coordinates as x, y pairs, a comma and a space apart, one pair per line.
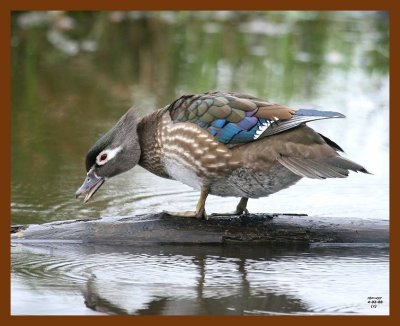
74, 74
198, 280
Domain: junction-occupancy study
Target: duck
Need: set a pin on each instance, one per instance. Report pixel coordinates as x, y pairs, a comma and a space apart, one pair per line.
219, 143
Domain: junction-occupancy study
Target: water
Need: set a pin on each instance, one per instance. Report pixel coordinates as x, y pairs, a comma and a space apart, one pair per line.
176, 280
74, 74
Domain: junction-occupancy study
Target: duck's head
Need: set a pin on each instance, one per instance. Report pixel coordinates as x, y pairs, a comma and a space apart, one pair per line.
115, 152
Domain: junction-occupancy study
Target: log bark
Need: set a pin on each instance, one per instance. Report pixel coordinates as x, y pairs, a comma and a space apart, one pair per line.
272, 229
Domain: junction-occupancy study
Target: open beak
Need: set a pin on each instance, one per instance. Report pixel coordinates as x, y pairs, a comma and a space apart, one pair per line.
91, 184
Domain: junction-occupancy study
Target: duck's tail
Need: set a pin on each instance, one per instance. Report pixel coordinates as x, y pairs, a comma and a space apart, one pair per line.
332, 167
300, 116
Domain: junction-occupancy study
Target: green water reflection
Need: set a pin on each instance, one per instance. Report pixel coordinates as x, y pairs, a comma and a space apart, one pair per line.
75, 73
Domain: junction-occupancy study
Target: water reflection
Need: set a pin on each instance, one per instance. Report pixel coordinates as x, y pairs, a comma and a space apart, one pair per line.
175, 280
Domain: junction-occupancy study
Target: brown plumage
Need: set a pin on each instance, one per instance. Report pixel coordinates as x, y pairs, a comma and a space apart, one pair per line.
226, 144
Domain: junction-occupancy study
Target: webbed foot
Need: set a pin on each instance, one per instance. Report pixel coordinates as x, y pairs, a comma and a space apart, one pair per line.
193, 214
200, 211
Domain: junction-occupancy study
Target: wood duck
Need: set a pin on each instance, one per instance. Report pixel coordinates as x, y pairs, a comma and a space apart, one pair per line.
225, 144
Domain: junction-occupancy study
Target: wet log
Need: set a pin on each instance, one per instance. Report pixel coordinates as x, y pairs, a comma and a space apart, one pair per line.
273, 229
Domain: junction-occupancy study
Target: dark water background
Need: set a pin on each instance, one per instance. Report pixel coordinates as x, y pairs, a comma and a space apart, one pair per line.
75, 73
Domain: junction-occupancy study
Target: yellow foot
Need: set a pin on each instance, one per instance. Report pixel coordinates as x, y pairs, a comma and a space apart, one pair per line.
200, 215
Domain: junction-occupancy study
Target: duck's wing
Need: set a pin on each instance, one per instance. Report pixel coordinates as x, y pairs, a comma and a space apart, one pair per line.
234, 118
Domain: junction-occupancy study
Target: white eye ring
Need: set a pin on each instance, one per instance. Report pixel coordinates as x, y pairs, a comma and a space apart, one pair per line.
107, 154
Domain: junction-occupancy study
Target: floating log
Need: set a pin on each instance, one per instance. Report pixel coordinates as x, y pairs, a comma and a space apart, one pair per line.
273, 229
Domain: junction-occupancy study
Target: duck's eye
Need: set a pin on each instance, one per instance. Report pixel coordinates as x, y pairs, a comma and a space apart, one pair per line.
103, 157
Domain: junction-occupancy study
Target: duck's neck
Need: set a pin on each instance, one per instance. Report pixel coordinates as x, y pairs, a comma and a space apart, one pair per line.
151, 156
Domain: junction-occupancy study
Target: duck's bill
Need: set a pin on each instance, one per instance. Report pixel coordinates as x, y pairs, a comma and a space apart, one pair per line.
91, 184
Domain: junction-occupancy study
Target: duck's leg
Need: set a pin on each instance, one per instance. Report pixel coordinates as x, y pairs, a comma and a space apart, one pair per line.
200, 211
240, 209
242, 206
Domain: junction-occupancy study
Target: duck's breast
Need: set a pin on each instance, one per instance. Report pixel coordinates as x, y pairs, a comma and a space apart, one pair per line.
191, 155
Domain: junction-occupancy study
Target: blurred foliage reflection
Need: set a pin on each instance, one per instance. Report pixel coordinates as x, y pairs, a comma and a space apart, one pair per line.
75, 73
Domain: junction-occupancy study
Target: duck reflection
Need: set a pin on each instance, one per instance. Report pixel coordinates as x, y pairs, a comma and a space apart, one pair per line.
208, 298
205, 280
